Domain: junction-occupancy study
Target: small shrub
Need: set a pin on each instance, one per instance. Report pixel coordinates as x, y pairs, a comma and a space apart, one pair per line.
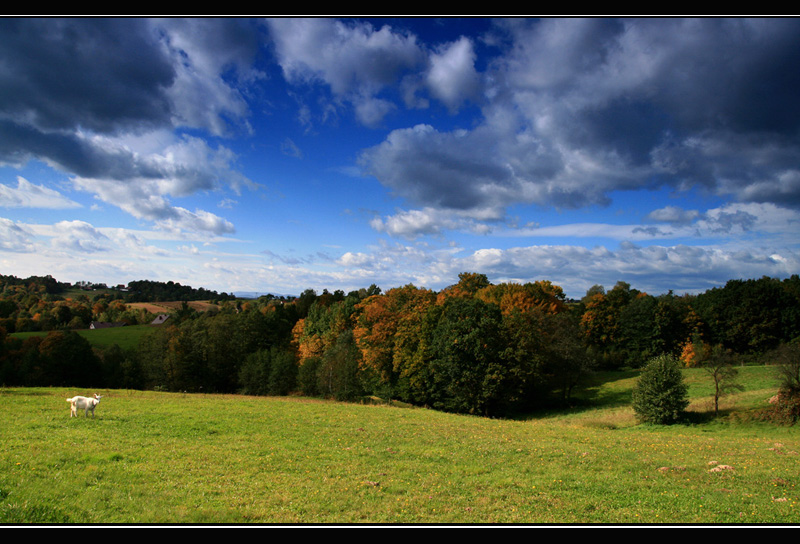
787, 402
660, 395
786, 407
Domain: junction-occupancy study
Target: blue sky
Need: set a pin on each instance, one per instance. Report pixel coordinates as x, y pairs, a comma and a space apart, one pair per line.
278, 155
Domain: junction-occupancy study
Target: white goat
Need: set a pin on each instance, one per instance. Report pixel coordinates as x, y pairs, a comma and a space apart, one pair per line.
87, 404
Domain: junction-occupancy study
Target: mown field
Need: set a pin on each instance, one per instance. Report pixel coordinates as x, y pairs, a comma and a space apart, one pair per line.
150, 457
127, 337
168, 307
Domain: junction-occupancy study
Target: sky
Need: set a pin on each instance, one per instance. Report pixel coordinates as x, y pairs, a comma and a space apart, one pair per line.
279, 155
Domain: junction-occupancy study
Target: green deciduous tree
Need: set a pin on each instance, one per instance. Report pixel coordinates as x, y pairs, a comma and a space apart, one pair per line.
283, 371
467, 364
338, 373
718, 364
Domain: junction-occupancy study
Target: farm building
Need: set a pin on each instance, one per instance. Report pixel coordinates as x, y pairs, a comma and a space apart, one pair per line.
160, 319
106, 325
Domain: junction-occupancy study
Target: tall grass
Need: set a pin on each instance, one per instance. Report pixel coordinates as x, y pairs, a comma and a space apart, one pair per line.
151, 457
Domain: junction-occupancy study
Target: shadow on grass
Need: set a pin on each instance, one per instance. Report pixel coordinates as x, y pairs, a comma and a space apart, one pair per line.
598, 390
24, 392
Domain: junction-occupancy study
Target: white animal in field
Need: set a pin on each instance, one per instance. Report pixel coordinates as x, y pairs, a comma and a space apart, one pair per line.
87, 404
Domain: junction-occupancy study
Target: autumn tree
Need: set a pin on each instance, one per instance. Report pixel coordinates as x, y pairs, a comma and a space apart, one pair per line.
601, 323
327, 319
510, 297
469, 283
390, 332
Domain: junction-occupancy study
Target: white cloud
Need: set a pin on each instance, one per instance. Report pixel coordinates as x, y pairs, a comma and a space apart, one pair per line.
356, 61
202, 50
30, 195
452, 77
183, 168
15, 237
673, 215
134, 83
78, 237
411, 224
348, 58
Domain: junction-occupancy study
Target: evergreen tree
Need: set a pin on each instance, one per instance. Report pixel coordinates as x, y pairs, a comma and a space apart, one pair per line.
660, 395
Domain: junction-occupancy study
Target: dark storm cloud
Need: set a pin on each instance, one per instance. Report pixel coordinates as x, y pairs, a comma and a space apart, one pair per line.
439, 168
102, 75
69, 152
577, 109
728, 74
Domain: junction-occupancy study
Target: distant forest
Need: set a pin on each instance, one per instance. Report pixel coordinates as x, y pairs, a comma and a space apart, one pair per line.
473, 347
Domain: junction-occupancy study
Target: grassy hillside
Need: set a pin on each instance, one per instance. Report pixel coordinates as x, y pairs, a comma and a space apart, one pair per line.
152, 457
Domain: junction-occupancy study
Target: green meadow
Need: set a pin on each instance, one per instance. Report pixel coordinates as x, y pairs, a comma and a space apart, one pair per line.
127, 337
154, 457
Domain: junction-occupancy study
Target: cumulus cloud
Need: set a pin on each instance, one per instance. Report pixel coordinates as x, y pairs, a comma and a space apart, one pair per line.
449, 170
78, 237
143, 185
104, 75
204, 53
655, 269
452, 77
14, 237
359, 63
578, 109
356, 61
348, 58
428, 221
143, 200
82, 95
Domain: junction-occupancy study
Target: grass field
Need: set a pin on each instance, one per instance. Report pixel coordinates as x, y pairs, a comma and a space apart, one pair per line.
127, 337
151, 457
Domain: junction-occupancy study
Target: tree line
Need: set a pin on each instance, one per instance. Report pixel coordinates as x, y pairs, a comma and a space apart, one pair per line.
473, 347
41, 303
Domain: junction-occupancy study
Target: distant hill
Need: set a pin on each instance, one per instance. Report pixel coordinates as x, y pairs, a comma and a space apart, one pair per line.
257, 294
157, 291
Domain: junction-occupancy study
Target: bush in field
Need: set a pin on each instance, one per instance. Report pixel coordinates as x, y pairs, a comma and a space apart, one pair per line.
660, 395
787, 402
